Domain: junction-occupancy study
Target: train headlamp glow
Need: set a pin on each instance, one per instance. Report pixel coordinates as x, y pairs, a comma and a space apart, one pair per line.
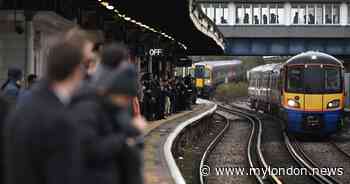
293, 103
207, 81
333, 104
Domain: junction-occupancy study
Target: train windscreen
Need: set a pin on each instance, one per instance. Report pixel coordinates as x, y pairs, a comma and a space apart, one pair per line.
202, 72
199, 71
313, 79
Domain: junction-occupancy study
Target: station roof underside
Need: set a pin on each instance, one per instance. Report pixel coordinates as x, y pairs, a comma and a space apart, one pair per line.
273, 1
173, 18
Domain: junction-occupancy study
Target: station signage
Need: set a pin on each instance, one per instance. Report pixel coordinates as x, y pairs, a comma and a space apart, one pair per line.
155, 52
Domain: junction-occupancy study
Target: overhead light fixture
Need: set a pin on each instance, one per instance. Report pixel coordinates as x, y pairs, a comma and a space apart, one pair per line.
110, 7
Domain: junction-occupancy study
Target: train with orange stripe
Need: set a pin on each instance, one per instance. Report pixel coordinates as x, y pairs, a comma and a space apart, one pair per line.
209, 74
307, 91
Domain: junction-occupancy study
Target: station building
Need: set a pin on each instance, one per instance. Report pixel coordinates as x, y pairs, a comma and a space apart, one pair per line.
282, 27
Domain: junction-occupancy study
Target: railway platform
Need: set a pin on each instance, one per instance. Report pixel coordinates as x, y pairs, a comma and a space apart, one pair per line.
160, 166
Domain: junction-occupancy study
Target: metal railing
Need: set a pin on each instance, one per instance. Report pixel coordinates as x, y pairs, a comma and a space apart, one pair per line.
205, 24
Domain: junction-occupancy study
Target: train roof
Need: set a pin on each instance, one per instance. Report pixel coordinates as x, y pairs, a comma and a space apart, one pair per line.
313, 57
267, 67
219, 63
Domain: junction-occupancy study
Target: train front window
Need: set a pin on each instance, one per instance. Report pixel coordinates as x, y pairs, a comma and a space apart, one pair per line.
332, 79
294, 79
199, 71
313, 79
207, 73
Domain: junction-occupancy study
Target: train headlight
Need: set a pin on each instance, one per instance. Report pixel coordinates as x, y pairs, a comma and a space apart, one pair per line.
293, 103
207, 81
333, 104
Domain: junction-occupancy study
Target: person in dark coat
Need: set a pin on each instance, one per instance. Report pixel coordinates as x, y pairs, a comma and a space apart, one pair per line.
4, 109
108, 140
42, 144
11, 88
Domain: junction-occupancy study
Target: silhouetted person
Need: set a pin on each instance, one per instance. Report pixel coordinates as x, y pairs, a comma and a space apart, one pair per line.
296, 18
265, 18
246, 18
328, 19
256, 19
223, 20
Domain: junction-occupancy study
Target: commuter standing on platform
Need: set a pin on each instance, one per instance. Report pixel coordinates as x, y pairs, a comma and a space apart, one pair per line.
11, 88
106, 125
41, 142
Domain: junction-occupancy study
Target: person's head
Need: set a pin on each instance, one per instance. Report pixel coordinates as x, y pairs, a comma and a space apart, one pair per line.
114, 55
66, 62
83, 40
14, 73
120, 87
31, 79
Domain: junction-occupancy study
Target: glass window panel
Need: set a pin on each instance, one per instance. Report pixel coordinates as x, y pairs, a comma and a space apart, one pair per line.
295, 14
219, 13
211, 12
319, 14
280, 14
311, 14
225, 17
257, 14
349, 14
273, 14
240, 14
302, 14
247, 19
328, 14
336, 13
264, 13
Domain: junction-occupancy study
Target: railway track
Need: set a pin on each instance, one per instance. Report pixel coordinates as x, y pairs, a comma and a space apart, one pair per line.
345, 153
304, 160
255, 157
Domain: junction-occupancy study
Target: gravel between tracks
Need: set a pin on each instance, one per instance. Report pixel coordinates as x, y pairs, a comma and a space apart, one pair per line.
327, 156
231, 152
276, 153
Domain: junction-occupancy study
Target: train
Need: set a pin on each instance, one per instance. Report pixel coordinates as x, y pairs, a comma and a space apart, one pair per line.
209, 74
307, 92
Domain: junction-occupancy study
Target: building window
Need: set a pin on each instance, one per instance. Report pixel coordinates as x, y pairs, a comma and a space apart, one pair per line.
239, 14
221, 13
247, 19
319, 14
280, 14
257, 14
315, 14
328, 12
265, 13
311, 14
336, 14
348, 13
273, 14
295, 14
302, 14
